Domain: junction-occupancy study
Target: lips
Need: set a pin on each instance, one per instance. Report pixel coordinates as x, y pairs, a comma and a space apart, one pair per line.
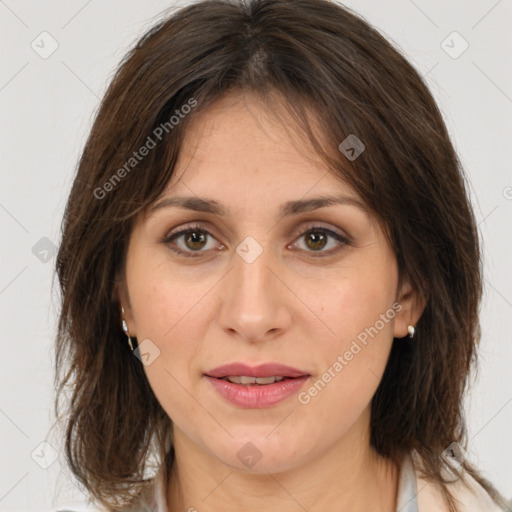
256, 387
261, 371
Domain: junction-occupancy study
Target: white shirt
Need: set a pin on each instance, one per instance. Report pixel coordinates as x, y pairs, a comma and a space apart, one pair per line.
415, 494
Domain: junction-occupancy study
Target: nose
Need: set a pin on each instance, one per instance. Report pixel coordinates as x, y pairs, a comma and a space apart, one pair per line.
254, 300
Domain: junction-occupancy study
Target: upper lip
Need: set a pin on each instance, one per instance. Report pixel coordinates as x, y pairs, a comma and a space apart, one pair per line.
261, 370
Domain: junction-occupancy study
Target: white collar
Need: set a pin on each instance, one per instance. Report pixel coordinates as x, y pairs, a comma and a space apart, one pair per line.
407, 500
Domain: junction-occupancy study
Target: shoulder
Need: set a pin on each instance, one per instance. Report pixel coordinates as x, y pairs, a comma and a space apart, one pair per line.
468, 493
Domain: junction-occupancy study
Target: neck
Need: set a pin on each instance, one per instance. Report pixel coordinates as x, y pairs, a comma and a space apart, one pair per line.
349, 476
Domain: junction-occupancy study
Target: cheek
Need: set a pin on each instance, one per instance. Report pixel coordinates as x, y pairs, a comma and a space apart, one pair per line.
165, 310
356, 301
358, 310
162, 301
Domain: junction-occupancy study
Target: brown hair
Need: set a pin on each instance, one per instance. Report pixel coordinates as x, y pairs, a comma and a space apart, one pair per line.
310, 56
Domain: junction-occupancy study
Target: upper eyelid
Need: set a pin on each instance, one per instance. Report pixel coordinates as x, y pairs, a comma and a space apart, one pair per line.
199, 226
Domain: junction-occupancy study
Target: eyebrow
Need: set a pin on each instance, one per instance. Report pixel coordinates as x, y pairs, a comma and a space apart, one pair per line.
212, 206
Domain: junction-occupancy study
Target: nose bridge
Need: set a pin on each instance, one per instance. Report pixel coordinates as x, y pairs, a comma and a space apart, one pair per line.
253, 303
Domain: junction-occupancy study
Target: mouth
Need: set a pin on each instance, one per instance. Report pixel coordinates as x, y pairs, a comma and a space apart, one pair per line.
256, 386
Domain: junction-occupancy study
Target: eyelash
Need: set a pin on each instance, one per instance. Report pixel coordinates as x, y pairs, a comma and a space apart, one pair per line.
197, 228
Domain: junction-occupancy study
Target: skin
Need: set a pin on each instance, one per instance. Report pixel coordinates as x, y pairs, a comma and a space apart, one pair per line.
294, 304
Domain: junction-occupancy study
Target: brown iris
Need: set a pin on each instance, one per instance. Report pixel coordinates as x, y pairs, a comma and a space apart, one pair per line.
195, 237
318, 240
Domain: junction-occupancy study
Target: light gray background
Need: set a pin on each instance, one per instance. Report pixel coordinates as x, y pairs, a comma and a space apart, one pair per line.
46, 112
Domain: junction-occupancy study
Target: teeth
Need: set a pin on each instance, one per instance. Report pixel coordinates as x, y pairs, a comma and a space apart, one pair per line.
235, 379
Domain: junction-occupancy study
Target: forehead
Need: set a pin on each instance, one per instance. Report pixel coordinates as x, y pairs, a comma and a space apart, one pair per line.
237, 146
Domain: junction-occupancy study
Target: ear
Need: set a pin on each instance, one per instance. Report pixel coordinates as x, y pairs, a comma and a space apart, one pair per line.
121, 297
413, 303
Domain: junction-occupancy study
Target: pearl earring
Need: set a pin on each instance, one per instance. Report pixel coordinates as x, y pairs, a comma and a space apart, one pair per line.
411, 330
125, 329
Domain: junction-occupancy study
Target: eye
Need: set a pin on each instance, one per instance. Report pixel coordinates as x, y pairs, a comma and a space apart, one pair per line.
190, 241
316, 239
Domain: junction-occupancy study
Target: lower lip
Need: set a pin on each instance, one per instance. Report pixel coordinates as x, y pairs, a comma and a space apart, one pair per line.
256, 396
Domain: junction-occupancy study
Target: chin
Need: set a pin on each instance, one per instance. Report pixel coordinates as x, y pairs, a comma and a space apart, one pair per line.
260, 454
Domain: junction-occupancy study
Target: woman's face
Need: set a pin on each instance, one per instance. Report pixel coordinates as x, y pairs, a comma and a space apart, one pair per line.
255, 284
